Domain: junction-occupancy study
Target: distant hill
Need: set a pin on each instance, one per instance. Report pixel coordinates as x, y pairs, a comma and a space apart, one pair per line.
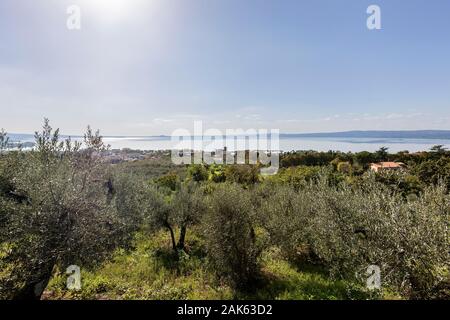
20, 137
407, 134
413, 134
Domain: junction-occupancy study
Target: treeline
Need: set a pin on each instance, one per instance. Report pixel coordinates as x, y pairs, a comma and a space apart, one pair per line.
363, 159
423, 168
61, 205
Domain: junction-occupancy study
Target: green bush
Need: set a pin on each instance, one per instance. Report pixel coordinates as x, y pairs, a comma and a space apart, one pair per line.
170, 181
348, 229
283, 215
230, 235
59, 211
246, 175
197, 173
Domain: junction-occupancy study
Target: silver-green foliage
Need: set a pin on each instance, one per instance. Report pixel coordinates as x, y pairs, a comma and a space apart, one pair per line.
59, 211
230, 236
172, 210
347, 229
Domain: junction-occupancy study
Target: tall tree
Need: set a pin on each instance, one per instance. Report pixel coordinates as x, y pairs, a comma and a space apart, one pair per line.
65, 216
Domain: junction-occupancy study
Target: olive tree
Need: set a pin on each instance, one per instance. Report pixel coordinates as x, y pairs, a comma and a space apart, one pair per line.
347, 228
283, 212
129, 192
179, 209
64, 215
230, 235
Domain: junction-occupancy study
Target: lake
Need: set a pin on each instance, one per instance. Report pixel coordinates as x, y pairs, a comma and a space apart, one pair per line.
292, 143
286, 143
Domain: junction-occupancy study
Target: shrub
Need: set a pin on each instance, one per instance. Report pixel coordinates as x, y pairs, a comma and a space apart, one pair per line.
128, 191
217, 173
197, 173
246, 175
170, 181
434, 171
348, 229
61, 213
297, 177
345, 167
231, 241
283, 215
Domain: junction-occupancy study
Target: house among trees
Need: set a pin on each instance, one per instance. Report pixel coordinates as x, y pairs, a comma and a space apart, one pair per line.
380, 166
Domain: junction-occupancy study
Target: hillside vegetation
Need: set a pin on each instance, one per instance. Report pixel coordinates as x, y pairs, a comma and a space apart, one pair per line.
152, 230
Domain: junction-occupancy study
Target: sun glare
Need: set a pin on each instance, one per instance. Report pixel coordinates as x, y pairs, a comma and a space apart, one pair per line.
113, 10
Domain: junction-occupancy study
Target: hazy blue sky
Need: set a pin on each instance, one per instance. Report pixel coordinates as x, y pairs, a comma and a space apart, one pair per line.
152, 66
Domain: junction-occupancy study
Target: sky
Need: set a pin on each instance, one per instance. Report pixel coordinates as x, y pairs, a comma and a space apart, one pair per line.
149, 67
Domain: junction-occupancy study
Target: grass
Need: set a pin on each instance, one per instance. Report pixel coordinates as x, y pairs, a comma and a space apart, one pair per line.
150, 271
147, 272
285, 281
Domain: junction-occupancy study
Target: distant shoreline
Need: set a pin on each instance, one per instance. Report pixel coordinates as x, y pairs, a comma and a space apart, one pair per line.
350, 141
399, 134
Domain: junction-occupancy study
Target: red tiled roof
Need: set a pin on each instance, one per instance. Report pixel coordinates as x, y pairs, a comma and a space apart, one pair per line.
388, 164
